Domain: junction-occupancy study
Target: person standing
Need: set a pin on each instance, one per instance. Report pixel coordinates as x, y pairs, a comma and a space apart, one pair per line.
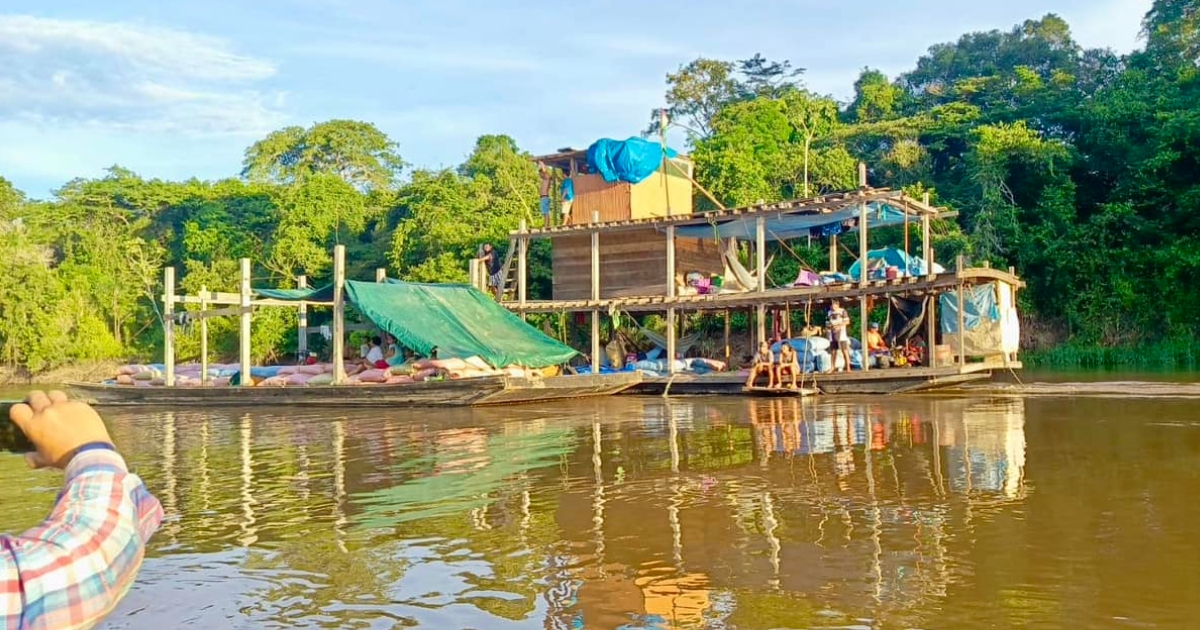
71, 571
544, 192
839, 320
491, 261
568, 199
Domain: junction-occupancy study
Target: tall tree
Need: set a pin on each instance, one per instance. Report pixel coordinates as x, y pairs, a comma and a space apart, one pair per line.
357, 152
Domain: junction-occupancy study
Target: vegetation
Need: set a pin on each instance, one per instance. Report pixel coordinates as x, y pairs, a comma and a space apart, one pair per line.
1076, 166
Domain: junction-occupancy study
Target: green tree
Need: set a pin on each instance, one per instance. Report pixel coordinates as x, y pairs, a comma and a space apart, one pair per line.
357, 152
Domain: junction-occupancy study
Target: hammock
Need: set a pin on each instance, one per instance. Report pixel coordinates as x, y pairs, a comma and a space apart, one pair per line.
682, 344
734, 270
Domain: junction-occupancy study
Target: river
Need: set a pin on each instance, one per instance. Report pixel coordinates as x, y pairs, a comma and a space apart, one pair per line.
986, 511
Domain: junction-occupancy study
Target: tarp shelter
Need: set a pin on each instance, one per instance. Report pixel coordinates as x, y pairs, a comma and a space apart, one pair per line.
891, 257
629, 160
318, 294
783, 226
989, 319
458, 320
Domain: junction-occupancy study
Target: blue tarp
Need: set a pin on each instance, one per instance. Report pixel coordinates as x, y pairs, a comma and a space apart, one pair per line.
912, 265
788, 226
629, 160
978, 302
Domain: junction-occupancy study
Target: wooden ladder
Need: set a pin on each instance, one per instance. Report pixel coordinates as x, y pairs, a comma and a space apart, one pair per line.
509, 273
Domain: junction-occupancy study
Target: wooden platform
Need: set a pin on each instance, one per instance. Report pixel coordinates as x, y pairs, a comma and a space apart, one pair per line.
877, 381
907, 286
778, 392
490, 390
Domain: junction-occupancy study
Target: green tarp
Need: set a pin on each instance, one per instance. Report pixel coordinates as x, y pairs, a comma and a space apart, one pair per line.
319, 294
457, 319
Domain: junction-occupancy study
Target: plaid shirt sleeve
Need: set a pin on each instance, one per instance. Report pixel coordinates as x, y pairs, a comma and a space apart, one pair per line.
69, 572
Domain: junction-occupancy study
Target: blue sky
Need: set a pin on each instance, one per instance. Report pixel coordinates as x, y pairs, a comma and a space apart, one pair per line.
179, 89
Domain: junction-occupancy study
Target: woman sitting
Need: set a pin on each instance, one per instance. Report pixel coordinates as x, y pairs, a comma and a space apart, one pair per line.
764, 361
788, 362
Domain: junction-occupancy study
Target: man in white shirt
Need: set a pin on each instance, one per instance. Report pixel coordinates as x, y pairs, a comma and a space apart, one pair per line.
838, 320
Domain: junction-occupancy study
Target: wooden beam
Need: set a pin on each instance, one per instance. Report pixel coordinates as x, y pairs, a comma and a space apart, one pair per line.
962, 337
244, 329
760, 250
671, 340
833, 253
522, 267
302, 326
728, 351
863, 249
595, 275
204, 335
339, 314
169, 325
221, 312
761, 316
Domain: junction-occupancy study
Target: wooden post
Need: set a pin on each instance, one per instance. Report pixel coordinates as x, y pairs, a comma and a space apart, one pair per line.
931, 328
728, 351
760, 250
670, 296
833, 253
863, 251
380, 274
339, 314
244, 328
522, 267
927, 239
595, 293
169, 325
204, 335
962, 337
762, 325
302, 326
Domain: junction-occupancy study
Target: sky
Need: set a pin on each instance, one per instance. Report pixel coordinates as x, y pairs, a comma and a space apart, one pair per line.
174, 89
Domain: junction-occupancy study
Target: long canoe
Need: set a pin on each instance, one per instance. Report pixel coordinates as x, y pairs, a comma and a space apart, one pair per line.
473, 392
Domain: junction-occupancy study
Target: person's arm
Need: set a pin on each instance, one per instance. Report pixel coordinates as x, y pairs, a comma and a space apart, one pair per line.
71, 571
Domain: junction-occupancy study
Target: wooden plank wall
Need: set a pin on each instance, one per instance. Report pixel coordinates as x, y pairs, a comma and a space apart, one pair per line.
632, 263
648, 198
592, 193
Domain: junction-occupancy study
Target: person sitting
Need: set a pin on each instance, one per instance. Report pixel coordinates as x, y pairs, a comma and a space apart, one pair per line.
876, 347
788, 362
914, 350
374, 358
764, 361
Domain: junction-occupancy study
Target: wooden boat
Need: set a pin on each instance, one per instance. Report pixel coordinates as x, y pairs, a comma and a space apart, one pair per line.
877, 381
473, 392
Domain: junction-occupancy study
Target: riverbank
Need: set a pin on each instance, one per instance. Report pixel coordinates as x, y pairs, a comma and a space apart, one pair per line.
1178, 354
87, 372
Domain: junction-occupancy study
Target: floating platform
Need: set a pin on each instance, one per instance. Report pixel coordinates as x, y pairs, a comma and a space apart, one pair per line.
877, 381
472, 392
778, 392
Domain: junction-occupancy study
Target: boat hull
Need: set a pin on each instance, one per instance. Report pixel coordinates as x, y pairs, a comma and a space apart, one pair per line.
879, 381
490, 390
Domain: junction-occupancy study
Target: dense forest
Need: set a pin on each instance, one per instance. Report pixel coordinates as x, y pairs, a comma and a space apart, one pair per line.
1078, 166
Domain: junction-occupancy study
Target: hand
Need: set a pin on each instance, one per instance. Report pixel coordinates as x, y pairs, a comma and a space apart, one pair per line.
57, 427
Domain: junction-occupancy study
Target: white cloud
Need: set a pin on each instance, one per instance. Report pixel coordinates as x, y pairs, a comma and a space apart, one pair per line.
415, 55
131, 77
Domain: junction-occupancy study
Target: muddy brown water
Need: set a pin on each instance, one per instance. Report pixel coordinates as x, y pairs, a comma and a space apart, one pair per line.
980, 511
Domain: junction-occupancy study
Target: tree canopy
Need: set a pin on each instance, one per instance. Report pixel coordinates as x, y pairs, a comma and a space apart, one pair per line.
1077, 166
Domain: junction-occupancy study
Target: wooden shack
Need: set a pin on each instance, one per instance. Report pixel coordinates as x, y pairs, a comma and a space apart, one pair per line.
633, 263
668, 192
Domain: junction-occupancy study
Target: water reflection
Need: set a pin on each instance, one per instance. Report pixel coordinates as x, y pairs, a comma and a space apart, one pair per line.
623, 513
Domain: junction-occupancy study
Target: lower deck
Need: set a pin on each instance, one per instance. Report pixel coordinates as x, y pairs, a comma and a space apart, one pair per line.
876, 381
